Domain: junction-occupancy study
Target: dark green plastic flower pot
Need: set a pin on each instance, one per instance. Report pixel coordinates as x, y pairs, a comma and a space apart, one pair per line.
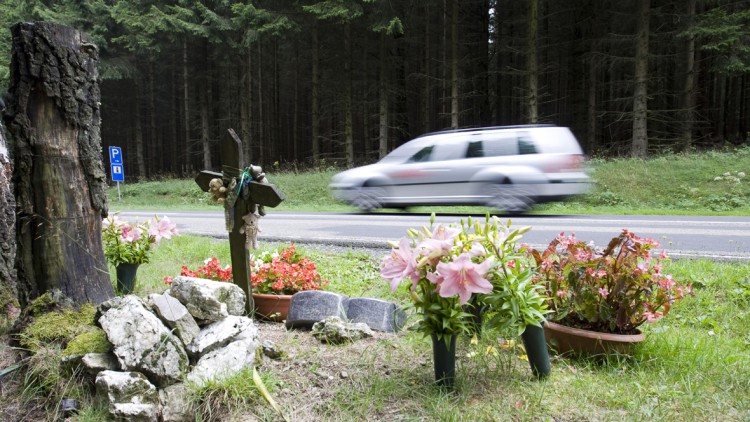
126, 277
536, 351
444, 359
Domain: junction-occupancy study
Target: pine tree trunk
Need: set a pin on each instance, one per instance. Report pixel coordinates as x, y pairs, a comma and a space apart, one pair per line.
426, 88
315, 94
688, 92
383, 99
640, 96
531, 63
246, 105
261, 157
8, 282
454, 64
155, 139
206, 98
188, 165
348, 122
140, 159
60, 190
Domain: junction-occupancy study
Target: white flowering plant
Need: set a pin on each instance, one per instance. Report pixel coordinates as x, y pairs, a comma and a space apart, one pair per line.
133, 243
448, 269
731, 177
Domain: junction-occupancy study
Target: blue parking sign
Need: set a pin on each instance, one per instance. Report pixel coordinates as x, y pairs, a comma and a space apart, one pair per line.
118, 175
115, 155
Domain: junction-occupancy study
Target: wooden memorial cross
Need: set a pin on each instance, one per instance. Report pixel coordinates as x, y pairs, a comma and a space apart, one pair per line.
247, 192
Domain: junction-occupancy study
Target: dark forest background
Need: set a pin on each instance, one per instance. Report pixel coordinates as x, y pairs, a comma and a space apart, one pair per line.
310, 83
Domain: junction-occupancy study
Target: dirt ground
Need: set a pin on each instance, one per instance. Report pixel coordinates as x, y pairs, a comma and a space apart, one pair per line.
315, 371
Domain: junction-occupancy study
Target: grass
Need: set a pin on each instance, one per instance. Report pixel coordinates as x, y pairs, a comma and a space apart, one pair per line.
694, 365
680, 184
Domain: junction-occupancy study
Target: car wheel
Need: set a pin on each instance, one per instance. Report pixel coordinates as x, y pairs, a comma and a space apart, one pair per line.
508, 197
368, 198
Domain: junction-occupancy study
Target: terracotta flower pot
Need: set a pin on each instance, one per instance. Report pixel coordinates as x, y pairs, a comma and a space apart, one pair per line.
584, 342
271, 307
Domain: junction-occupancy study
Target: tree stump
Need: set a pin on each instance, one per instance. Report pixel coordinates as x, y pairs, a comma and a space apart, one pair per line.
8, 291
53, 115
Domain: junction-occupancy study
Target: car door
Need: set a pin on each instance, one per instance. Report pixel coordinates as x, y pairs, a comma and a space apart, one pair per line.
432, 175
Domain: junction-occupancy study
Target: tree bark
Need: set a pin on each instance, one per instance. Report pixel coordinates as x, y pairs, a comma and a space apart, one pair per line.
531, 63
454, 64
383, 88
60, 181
640, 96
188, 165
315, 95
688, 92
140, 158
426, 87
8, 282
348, 120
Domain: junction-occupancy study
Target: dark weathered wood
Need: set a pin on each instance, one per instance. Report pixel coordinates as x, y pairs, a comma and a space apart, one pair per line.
232, 168
204, 178
8, 287
231, 157
53, 114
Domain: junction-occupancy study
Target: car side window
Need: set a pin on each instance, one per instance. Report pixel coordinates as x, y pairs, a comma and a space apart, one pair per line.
422, 155
525, 145
475, 150
499, 146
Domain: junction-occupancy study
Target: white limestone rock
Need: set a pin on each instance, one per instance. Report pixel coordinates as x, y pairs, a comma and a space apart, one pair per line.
141, 342
208, 300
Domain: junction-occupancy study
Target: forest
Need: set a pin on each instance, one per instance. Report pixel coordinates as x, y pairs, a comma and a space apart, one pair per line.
310, 83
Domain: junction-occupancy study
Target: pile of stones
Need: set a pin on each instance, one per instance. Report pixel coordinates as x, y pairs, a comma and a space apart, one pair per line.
195, 332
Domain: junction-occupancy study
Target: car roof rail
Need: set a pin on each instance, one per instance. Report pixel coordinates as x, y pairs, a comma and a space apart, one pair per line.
486, 128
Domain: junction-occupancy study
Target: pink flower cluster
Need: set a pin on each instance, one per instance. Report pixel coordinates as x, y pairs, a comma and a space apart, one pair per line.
454, 271
454, 276
126, 243
615, 289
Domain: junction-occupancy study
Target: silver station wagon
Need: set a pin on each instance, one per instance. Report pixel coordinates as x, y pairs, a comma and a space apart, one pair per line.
508, 168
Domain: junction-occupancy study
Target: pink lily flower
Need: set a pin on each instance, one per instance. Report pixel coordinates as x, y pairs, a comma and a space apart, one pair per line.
463, 277
440, 242
399, 264
162, 229
130, 233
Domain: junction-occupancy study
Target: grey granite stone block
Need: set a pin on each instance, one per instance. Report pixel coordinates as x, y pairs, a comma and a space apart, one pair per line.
311, 306
378, 314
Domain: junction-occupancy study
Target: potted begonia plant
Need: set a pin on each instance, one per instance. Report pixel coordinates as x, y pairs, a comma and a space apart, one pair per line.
599, 297
446, 267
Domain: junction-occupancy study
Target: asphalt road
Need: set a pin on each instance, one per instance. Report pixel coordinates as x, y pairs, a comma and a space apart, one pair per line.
720, 238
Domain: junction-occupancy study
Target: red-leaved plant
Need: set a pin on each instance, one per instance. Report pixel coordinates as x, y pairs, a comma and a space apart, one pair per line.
211, 270
282, 272
611, 290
